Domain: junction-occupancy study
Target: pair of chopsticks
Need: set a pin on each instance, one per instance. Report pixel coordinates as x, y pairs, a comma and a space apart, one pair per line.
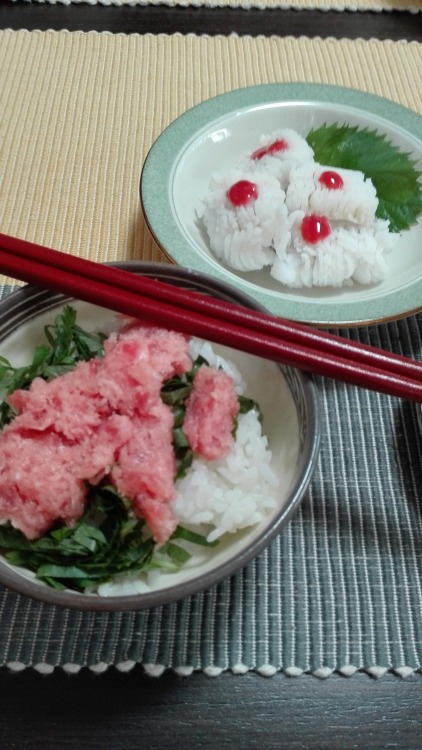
196, 314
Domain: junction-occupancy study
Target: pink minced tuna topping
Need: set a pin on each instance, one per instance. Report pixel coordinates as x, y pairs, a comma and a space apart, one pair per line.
210, 410
106, 419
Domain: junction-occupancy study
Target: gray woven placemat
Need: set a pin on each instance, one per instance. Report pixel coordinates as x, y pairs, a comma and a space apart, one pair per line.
339, 590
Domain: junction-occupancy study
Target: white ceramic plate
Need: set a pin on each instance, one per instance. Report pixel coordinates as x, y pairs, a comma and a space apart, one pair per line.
214, 134
291, 420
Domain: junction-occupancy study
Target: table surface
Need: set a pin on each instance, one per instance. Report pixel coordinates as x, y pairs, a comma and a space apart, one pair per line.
155, 19
117, 710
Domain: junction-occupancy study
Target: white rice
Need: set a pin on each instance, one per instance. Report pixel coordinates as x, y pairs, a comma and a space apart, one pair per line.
234, 492
237, 490
244, 237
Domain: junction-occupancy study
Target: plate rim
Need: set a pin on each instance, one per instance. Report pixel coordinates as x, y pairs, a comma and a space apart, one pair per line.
155, 203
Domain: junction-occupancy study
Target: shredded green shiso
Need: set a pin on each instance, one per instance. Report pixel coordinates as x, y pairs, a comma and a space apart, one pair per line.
105, 543
108, 541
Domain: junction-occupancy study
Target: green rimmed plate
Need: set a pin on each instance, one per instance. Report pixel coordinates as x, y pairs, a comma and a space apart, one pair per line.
215, 133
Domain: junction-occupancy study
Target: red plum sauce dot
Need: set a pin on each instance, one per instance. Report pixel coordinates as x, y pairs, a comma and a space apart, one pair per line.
273, 148
314, 228
242, 193
331, 180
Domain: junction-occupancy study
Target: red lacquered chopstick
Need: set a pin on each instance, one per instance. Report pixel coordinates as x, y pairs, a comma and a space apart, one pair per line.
212, 307
234, 334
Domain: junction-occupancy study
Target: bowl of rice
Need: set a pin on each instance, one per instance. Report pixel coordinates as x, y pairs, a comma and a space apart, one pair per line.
279, 190
87, 462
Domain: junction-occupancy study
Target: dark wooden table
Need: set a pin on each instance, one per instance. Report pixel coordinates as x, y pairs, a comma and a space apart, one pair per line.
116, 711
163, 19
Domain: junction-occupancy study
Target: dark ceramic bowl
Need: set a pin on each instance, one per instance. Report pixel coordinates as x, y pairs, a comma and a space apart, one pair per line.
289, 402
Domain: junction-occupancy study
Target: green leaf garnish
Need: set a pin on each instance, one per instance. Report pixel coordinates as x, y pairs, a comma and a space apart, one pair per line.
107, 541
192, 536
393, 172
249, 404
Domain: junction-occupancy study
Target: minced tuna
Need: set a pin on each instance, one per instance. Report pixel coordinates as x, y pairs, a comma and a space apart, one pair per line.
210, 410
105, 418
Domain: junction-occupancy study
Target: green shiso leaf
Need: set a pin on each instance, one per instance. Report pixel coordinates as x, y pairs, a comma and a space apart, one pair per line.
177, 554
192, 536
106, 542
393, 172
248, 404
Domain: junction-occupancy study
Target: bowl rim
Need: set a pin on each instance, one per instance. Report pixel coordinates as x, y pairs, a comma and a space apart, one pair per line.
45, 300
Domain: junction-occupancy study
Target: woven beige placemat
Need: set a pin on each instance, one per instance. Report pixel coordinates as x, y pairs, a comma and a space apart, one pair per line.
79, 112
414, 6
